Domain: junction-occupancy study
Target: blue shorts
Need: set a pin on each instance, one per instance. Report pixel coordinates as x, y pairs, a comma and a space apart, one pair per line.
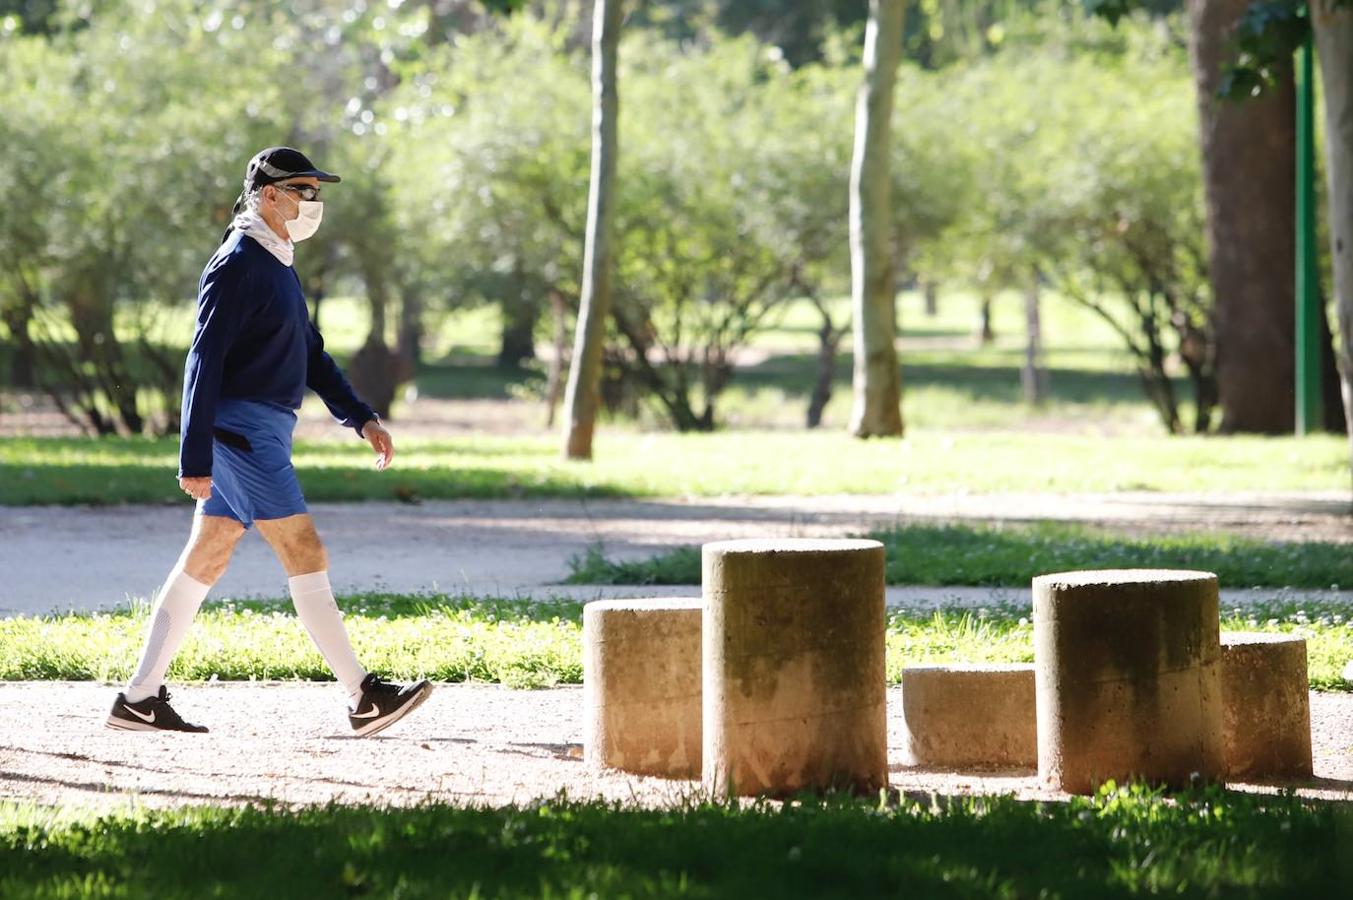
251, 474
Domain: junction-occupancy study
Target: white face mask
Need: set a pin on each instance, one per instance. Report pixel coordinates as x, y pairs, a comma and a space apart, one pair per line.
307, 220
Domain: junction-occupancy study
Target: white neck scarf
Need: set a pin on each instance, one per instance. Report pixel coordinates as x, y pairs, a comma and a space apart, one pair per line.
252, 224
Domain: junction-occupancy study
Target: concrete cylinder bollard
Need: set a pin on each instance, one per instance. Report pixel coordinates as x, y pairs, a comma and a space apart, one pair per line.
1267, 705
1127, 671
970, 716
793, 667
641, 686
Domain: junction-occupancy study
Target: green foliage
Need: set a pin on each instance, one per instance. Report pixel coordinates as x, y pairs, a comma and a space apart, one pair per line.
1057, 149
489, 139
1089, 180
1012, 555
1267, 35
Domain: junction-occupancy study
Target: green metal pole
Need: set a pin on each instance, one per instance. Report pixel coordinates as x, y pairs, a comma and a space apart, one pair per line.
1309, 404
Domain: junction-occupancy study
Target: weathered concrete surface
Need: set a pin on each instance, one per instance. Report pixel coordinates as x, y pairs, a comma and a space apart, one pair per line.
970, 716
641, 686
1127, 669
793, 666
1267, 711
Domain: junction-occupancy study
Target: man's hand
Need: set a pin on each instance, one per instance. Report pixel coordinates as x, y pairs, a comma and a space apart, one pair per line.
197, 488
379, 439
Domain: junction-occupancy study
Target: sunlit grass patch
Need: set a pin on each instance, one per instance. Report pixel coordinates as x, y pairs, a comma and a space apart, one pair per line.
523, 644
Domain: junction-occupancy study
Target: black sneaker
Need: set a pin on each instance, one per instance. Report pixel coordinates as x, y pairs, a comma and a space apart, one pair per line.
150, 714
384, 703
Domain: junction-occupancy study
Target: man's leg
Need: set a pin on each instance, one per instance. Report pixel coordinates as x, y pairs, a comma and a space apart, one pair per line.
297, 544
201, 565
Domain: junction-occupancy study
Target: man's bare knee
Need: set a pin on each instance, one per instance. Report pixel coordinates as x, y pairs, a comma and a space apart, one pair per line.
296, 543
210, 547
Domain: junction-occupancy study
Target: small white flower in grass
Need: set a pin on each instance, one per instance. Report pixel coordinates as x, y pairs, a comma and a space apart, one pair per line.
1023, 621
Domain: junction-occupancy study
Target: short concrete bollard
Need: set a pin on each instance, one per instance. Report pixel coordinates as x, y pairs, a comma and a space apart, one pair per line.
641, 686
793, 667
1267, 716
1127, 668
970, 716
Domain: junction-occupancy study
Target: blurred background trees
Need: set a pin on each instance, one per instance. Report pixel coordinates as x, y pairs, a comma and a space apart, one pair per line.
1033, 152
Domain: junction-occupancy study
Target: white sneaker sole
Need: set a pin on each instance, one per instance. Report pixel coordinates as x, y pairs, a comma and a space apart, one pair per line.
117, 724
379, 725
122, 724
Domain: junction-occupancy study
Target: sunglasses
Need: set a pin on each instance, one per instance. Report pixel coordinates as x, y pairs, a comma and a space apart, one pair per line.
304, 191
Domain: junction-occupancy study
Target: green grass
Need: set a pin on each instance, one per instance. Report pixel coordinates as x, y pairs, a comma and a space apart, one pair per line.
51, 471
1011, 555
1127, 842
527, 644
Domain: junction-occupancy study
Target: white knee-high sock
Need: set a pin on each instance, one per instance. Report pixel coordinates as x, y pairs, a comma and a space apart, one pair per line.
178, 602
318, 612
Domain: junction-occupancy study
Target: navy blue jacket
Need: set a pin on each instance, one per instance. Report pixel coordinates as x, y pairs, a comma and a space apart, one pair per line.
254, 341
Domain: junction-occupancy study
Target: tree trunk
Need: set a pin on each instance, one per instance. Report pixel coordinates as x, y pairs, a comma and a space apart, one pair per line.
23, 363
518, 344
584, 375
375, 369
985, 333
829, 341
1334, 42
1249, 169
931, 292
1033, 377
554, 381
877, 378
1332, 415
410, 338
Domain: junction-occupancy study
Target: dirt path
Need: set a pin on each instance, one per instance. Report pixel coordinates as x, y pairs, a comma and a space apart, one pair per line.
88, 558
468, 744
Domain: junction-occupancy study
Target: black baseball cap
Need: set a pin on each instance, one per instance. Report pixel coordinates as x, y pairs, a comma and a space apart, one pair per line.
280, 163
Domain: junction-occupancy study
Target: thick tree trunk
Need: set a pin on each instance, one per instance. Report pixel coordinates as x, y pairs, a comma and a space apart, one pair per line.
23, 364
1249, 169
410, 328
375, 369
584, 375
1334, 43
518, 339
877, 377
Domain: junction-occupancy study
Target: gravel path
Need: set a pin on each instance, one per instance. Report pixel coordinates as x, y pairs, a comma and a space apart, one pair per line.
468, 744
83, 558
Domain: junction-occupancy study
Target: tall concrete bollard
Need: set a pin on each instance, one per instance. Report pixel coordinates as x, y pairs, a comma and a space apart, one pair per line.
1267, 718
641, 686
1127, 673
793, 667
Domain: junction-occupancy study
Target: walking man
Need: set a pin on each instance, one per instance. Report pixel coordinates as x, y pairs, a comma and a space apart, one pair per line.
254, 352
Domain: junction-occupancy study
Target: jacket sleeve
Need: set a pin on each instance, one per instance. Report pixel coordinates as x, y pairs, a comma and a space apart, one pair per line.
323, 376
222, 301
